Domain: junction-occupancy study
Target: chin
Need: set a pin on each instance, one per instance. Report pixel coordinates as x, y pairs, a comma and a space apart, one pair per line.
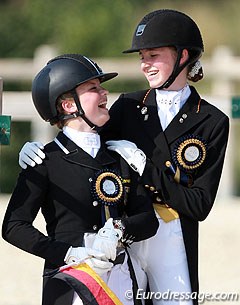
103, 121
154, 85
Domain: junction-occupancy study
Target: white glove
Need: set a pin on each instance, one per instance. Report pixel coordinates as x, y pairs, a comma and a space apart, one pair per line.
106, 240
31, 154
99, 266
134, 156
95, 259
78, 254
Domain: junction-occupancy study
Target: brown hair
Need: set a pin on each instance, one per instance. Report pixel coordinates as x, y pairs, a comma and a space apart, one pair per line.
60, 110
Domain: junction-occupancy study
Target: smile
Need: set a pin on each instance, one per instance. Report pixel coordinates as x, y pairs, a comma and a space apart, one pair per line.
152, 73
102, 104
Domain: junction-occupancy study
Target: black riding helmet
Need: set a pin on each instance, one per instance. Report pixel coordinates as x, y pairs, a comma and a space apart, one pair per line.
63, 74
166, 28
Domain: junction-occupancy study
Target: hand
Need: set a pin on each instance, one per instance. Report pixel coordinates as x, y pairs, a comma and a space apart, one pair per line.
31, 154
95, 259
99, 266
134, 156
106, 240
79, 254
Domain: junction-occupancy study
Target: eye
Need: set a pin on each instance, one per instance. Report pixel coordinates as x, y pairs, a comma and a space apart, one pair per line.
94, 88
141, 57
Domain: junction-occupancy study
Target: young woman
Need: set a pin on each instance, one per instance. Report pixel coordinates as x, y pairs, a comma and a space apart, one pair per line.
79, 186
185, 138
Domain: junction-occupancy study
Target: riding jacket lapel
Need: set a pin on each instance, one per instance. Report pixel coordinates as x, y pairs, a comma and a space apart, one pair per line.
78, 156
152, 124
188, 116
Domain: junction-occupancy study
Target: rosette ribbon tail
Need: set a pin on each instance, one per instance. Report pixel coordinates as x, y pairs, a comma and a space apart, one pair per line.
178, 175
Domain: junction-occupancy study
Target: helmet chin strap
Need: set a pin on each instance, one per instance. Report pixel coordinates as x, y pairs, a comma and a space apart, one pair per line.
176, 70
80, 113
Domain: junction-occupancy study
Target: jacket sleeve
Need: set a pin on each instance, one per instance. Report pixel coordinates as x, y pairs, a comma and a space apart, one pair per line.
141, 222
197, 200
25, 203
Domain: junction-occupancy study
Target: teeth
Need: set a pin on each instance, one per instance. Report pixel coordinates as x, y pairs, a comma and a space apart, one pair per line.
101, 104
152, 73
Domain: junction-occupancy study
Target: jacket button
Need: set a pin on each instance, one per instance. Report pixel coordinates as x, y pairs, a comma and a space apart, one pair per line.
95, 227
95, 203
152, 188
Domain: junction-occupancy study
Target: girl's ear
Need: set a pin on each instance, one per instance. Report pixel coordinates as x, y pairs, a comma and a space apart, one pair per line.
69, 106
185, 56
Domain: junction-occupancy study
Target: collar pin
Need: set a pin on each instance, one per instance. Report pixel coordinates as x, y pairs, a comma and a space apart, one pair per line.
144, 110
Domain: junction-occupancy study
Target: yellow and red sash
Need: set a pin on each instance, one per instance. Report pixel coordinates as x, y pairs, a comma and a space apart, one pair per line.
88, 285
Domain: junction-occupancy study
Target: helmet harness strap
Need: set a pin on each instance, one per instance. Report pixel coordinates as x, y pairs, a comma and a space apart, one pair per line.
177, 69
81, 111
175, 72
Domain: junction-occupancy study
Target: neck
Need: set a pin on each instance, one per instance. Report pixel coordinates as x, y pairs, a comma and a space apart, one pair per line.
79, 125
180, 81
176, 87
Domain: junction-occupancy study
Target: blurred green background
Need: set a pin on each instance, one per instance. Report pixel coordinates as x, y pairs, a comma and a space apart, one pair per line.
99, 29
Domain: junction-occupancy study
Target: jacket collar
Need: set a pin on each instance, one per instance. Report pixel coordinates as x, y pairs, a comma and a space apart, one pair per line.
189, 115
78, 156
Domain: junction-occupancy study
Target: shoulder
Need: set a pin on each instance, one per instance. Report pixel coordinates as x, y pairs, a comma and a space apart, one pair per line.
52, 150
208, 107
136, 95
127, 100
217, 116
51, 147
60, 139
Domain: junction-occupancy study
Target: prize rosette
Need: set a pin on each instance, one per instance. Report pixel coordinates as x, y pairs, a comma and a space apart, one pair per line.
107, 187
189, 153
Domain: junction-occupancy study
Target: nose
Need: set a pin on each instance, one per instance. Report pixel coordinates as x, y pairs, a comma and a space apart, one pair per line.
104, 91
145, 64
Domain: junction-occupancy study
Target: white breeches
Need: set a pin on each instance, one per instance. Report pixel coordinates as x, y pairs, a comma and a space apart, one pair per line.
163, 257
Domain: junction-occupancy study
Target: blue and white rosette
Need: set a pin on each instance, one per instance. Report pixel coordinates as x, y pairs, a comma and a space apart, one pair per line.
189, 153
108, 190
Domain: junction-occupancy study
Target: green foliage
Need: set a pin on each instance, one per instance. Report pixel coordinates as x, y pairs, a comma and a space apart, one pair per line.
103, 28
22, 29
96, 28
17, 85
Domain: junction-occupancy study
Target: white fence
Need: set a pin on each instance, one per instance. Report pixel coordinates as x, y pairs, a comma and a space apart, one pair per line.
222, 68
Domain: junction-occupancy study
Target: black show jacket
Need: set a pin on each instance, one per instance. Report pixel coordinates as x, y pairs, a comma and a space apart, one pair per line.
60, 187
196, 118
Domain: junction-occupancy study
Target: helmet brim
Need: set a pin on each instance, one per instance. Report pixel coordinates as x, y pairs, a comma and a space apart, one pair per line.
103, 77
106, 76
130, 51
